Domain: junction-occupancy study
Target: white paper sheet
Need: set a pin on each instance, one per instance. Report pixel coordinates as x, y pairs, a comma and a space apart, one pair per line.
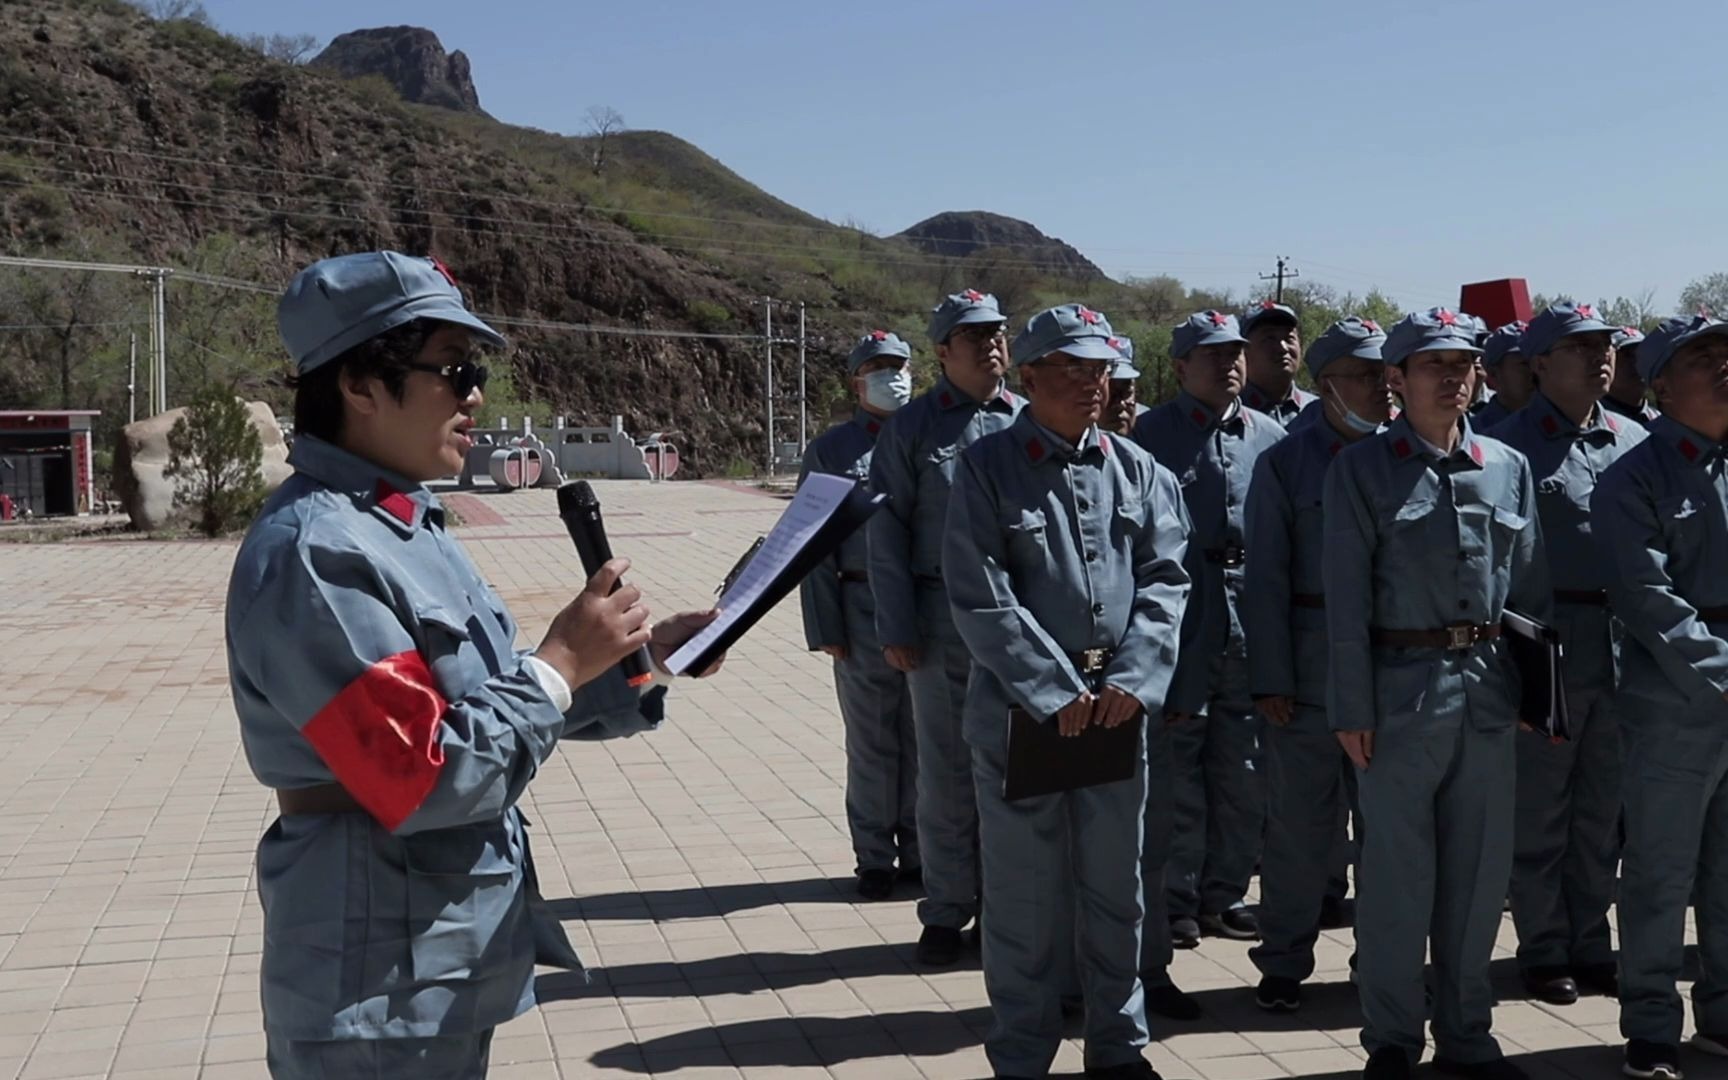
818, 498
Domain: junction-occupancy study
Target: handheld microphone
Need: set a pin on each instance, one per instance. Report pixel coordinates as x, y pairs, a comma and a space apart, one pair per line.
580, 509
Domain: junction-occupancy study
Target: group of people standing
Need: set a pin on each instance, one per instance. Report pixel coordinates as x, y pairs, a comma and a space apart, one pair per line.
1299, 599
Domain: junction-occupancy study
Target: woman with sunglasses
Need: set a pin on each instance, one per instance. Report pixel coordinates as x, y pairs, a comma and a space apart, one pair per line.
381, 694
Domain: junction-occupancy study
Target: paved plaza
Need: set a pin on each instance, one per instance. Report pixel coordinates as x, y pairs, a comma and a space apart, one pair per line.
703, 870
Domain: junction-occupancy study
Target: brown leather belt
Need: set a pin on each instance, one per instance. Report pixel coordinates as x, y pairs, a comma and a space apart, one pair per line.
1459, 637
1308, 600
857, 577
322, 799
1592, 597
1713, 614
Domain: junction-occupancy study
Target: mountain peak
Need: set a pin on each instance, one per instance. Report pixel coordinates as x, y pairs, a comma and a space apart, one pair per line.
410, 58
959, 234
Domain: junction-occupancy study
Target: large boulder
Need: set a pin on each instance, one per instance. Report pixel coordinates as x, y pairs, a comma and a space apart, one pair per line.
142, 454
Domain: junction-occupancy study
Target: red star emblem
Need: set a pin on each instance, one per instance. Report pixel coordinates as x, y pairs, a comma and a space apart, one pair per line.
1219, 318
879, 335
1114, 343
1445, 318
439, 266
1587, 311
1371, 326
1087, 316
972, 296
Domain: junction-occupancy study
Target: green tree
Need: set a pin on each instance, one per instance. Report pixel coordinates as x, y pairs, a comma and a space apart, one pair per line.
1708, 293
216, 457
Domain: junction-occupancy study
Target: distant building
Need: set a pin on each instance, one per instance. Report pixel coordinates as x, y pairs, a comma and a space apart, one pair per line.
46, 461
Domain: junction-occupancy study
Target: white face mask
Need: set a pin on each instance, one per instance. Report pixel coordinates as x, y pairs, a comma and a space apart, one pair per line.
1351, 420
888, 388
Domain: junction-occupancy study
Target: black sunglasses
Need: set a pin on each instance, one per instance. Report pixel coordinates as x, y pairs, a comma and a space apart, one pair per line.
465, 376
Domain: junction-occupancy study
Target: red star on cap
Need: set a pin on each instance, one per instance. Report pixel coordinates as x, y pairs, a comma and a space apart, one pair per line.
1087, 316
1371, 326
439, 266
1586, 311
1219, 318
879, 335
972, 295
1114, 343
1445, 318
1267, 305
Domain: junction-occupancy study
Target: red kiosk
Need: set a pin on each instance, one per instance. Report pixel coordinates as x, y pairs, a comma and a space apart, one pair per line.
46, 462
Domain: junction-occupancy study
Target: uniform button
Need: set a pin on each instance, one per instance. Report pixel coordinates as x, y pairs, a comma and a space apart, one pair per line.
1097, 609
1091, 556
1084, 505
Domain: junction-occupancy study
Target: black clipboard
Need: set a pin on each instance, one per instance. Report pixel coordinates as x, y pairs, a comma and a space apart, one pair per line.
1042, 762
1540, 658
742, 607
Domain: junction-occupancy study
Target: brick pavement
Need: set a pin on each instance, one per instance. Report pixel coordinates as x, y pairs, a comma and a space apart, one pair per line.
703, 870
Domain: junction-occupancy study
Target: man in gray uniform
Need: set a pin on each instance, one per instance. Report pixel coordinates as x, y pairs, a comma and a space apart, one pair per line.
1569, 793
1063, 555
840, 620
1310, 783
914, 466
1123, 406
1626, 393
1210, 441
1431, 531
1661, 521
1274, 336
1508, 372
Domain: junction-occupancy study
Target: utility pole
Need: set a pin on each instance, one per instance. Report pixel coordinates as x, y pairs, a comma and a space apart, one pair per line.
132, 378
1285, 270
768, 373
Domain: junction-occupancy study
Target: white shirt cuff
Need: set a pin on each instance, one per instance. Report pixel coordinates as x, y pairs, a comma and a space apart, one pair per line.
551, 682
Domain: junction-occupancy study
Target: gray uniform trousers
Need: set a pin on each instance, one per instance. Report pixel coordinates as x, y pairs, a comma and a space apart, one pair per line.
1436, 799
1156, 950
1676, 802
1308, 789
1219, 794
1567, 837
881, 746
947, 808
449, 1057
1062, 874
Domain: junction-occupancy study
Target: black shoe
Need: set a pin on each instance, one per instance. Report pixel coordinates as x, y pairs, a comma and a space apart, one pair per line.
939, 946
1498, 1069
1277, 994
875, 884
1603, 979
1335, 913
1184, 932
910, 875
1714, 1043
1171, 1003
1387, 1063
1551, 985
1128, 1070
1238, 923
1652, 1061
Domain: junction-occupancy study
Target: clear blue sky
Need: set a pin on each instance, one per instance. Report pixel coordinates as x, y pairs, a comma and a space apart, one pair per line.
1414, 146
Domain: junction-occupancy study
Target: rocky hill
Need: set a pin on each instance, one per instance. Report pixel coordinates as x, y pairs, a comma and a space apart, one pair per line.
409, 58
128, 139
964, 234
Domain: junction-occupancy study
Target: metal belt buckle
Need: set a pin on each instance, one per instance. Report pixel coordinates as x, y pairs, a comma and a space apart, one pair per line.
1462, 636
1234, 557
1092, 660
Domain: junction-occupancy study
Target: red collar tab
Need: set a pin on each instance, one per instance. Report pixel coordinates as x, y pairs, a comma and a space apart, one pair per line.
1476, 452
1335, 447
1613, 424
1401, 448
873, 426
1550, 425
1103, 444
945, 399
1035, 448
1688, 449
1007, 395
396, 504
1199, 417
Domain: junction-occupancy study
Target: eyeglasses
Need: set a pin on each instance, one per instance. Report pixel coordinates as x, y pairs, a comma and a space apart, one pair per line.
465, 376
1079, 370
980, 333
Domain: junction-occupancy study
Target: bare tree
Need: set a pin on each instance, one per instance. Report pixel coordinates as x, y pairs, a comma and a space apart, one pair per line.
170, 10
288, 48
603, 122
